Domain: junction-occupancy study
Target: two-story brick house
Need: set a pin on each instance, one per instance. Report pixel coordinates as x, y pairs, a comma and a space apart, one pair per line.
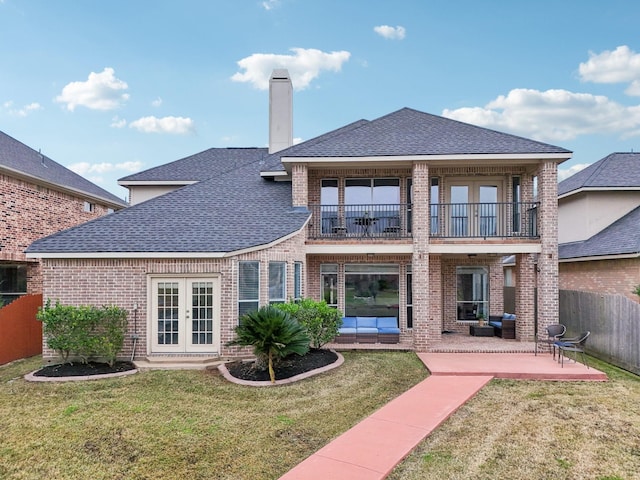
38, 197
407, 215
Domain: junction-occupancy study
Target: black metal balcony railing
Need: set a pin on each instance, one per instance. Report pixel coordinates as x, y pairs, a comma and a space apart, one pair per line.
448, 220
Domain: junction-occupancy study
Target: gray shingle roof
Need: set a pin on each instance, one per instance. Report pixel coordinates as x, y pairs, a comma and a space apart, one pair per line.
617, 170
226, 213
620, 238
201, 166
411, 132
16, 156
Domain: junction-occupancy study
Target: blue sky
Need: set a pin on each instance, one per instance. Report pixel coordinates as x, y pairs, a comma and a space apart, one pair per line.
109, 88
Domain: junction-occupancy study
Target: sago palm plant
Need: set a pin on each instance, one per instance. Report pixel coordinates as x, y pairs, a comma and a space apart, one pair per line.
273, 334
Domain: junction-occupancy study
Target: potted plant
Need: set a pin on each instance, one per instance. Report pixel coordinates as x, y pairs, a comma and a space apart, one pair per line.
481, 318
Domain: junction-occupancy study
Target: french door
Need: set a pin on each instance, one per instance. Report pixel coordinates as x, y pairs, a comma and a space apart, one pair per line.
474, 208
185, 315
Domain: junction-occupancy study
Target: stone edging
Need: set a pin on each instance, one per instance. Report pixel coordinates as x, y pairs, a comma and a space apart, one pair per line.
30, 377
266, 383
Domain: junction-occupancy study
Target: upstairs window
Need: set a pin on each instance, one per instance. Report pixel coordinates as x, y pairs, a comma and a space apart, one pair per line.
88, 207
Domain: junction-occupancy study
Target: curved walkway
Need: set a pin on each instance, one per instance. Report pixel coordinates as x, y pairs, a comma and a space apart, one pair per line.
373, 447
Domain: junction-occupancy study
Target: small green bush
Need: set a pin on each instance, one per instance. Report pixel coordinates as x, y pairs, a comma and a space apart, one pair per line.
319, 319
636, 290
84, 331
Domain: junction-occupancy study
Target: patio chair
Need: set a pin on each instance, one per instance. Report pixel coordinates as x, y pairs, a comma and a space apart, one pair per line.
554, 333
575, 345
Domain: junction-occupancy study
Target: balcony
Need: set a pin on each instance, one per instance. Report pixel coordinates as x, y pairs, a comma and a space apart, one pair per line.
448, 221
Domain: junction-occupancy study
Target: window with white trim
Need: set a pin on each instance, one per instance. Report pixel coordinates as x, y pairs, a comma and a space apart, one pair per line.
248, 287
329, 282
277, 282
297, 280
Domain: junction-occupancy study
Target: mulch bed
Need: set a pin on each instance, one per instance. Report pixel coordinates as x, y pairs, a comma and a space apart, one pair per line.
286, 368
83, 369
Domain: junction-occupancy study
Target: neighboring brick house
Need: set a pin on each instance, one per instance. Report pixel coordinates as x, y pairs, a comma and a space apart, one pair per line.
38, 197
407, 215
599, 227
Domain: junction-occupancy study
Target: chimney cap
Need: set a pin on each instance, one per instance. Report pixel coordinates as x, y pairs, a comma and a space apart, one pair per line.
280, 74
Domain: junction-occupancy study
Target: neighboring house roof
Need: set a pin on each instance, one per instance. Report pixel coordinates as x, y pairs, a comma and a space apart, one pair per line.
18, 159
620, 238
201, 166
230, 212
615, 171
410, 132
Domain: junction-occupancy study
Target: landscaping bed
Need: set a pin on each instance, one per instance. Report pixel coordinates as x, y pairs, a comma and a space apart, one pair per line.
286, 368
78, 369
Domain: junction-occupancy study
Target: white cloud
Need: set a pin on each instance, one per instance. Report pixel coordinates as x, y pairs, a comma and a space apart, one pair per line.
567, 172
24, 111
390, 33
86, 168
621, 65
117, 122
157, 102
172, 125
101, 91
552, 115
304, 66
270, 4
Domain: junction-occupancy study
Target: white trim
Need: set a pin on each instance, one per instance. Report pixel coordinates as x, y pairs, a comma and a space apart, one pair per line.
360, 249
600, 257
275, 173
599, 189
411, 158
168, 254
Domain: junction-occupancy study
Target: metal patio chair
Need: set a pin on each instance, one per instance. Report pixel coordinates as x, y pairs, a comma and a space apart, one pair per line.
555, 332
575, 345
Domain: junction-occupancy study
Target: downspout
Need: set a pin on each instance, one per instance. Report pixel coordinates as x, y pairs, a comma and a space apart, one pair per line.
135, 335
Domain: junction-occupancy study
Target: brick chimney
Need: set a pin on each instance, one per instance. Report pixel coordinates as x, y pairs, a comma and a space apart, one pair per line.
280, 111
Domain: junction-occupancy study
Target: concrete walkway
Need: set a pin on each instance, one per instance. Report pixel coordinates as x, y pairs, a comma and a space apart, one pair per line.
373, 447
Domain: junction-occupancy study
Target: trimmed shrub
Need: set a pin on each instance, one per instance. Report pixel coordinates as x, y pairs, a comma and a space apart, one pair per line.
319, 319
84, 331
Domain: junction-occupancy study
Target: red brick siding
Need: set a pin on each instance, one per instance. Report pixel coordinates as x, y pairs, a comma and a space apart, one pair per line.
29, 212
603, 276
124, 282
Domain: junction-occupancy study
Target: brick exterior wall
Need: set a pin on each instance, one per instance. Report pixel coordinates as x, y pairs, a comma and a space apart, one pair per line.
300, 182
603, 276
29, 212
126, 282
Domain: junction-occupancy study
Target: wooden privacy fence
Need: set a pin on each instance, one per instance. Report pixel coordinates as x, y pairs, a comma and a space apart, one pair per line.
20, 332
614, 322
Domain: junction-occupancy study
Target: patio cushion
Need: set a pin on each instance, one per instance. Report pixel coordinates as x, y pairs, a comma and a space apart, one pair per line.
367, 330
345, 330
387, 322
349, 322
366, 322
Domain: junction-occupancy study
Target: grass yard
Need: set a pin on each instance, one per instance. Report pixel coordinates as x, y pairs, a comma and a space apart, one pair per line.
537, 430
185, 424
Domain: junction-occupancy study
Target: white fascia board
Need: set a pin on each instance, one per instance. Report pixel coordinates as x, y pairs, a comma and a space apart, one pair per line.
599, 189
600, 257
276, 173
479, 248
157, 183
361, 249
411, 158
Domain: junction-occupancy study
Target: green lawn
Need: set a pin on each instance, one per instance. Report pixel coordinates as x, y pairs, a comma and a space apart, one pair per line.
191, 425
185, 424
537, 430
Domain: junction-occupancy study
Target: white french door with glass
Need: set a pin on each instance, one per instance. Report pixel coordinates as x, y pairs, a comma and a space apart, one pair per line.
185, 315
474, 208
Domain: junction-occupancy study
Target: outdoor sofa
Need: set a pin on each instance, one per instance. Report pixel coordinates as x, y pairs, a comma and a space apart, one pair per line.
369, 330
503, 326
